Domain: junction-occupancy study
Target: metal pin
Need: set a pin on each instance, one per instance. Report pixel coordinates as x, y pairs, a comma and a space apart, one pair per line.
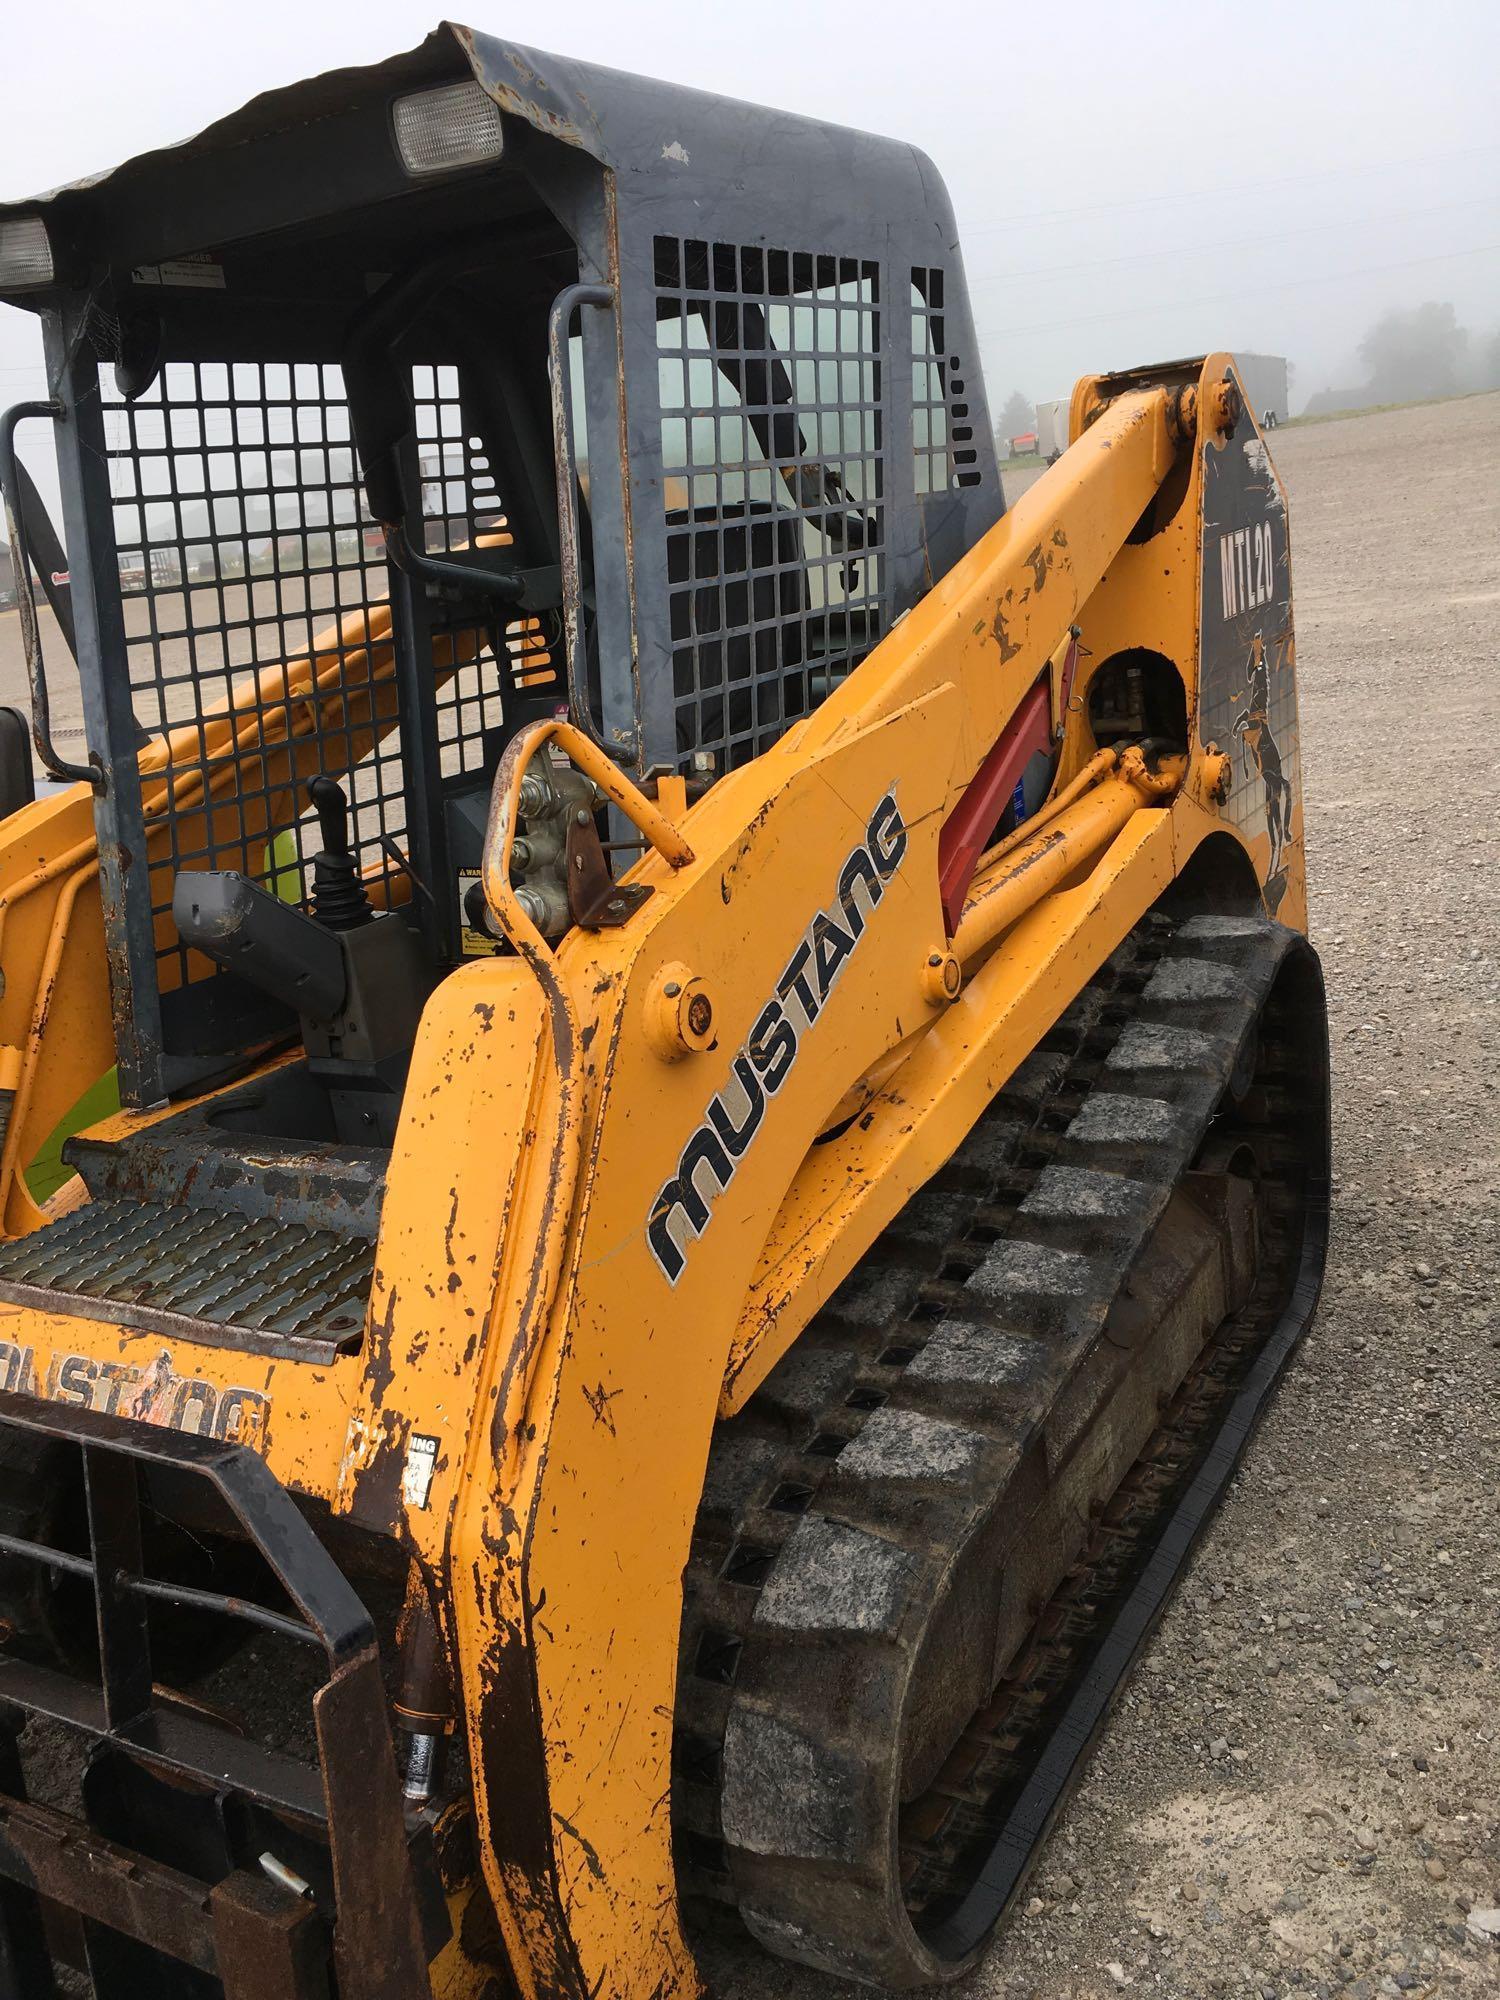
421, 1768
285, 1877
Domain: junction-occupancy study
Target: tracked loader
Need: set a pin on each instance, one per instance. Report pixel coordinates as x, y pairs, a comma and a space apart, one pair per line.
664, 1100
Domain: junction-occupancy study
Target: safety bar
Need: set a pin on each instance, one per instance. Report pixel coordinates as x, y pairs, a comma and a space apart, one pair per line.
564, 446
380, 413
31, 637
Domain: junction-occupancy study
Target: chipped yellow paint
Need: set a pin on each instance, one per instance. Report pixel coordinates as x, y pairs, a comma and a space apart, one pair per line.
568, 1360
569, 1525
293, 1412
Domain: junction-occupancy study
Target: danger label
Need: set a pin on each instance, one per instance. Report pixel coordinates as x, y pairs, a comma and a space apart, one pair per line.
421, 1464
473, 943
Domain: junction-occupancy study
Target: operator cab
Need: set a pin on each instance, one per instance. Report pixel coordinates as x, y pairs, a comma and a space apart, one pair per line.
409, 405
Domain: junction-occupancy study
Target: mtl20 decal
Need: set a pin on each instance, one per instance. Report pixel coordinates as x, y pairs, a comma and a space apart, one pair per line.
1249, 700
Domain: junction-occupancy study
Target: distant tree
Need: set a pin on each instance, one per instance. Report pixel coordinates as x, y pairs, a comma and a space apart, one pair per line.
1414, 354
1016, 418
1489, 372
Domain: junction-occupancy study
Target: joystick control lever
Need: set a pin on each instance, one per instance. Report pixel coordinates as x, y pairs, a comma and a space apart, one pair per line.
339, 899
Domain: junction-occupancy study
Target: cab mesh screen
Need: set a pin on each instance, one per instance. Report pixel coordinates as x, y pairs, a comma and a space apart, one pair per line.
254, 590
772, 450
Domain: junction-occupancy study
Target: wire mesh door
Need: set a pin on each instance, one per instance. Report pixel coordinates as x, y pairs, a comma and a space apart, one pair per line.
772, 451
257, 624
261, 646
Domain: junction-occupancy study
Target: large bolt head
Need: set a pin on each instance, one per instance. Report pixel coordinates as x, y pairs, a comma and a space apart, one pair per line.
1226, 406
679, 1013
942, 978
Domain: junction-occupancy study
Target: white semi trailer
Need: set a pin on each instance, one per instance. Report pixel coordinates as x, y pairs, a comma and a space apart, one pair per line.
1052, 429
1264, 377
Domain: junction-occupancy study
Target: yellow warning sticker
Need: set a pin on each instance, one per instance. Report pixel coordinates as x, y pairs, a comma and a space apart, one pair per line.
475, 944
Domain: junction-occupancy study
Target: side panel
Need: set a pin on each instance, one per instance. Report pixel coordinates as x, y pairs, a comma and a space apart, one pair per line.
293, 1413
1248, 661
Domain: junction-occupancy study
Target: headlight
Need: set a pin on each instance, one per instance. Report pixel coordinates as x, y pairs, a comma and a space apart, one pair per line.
457, 125
25, 254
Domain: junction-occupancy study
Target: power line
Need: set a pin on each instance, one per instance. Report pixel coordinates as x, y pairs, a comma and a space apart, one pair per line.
1223, 298
1236, 243
1235, 187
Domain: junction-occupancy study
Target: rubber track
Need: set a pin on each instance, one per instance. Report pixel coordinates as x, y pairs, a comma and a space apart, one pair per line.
962, 1363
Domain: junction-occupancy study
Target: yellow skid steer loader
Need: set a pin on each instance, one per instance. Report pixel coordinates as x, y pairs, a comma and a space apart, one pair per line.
664, 1103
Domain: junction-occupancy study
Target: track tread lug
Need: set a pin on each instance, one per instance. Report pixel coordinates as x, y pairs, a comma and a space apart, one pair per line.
906, 1446
872, 1294
917, 1536
834, 1577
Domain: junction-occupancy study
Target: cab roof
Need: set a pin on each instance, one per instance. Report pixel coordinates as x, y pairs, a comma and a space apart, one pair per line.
632, 125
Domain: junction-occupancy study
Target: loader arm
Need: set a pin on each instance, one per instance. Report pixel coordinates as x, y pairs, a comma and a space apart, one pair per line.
604, 1363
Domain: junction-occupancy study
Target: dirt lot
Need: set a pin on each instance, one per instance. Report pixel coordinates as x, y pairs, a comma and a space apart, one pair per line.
62, 678
1301, 1792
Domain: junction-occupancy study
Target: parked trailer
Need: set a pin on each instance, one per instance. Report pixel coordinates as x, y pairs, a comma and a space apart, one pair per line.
1265, 383
1052, 429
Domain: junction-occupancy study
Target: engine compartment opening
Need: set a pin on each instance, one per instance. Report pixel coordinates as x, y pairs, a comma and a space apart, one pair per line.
1138, 693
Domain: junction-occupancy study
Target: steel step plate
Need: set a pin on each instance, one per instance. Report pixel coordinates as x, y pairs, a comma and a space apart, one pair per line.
153, 1262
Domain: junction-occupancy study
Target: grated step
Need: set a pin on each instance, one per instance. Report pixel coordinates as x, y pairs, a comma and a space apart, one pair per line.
152, 1260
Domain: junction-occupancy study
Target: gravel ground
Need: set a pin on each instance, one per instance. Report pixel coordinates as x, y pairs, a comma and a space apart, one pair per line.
1300, 1792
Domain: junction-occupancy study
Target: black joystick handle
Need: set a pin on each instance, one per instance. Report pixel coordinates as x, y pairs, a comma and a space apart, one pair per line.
339, 900
332, 808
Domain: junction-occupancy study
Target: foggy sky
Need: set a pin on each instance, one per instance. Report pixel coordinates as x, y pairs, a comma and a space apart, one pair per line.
1131, 184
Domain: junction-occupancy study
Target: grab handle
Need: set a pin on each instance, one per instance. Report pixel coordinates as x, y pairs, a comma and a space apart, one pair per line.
565, 452
17, 489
